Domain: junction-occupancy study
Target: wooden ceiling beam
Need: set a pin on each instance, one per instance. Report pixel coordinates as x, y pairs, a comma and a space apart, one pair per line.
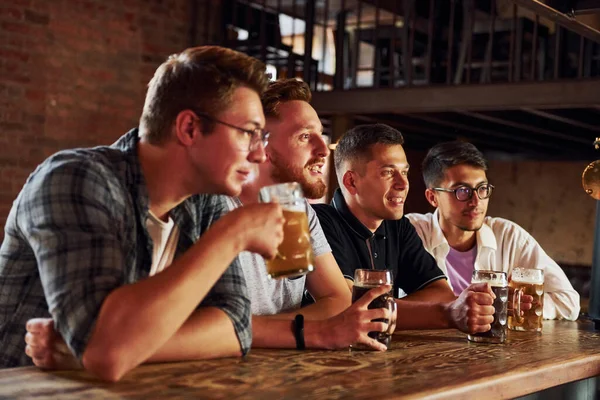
480, 97
564, 120
408, 127
524, 127
489, 132
436, 134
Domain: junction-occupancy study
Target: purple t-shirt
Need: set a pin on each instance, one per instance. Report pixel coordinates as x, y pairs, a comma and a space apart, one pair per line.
460, 267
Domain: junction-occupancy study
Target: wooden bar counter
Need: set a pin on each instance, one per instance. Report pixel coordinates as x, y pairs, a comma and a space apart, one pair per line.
438, 364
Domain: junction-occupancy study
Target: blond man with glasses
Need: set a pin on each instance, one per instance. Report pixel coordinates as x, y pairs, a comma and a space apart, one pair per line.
462, 238
108, 261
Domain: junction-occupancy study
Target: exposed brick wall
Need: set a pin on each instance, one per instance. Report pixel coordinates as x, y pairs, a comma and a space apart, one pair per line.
74, 72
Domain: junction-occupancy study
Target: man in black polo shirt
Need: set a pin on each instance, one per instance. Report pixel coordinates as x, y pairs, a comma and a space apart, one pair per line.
366, 229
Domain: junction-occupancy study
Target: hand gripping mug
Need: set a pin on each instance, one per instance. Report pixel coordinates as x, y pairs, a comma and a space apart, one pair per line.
499, 285
294, 256
367, 279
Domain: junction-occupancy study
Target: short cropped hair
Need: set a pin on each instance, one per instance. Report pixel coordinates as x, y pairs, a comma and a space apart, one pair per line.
281, 91
446, 155
200, 78
357, 143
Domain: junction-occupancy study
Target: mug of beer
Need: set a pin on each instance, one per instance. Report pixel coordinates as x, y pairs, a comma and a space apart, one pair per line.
367, 279
527, 281
499, 284
294, 256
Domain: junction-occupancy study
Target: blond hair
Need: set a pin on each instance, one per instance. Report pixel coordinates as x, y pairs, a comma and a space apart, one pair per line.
199, 78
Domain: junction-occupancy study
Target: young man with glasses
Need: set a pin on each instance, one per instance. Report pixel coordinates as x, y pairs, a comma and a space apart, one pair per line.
295, 152
113, 243
461, 238
366, 228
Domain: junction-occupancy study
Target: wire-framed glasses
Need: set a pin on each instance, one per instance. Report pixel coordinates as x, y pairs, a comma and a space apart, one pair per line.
253, 137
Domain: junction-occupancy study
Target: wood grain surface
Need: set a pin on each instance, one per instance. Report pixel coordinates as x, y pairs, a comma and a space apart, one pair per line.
437, 364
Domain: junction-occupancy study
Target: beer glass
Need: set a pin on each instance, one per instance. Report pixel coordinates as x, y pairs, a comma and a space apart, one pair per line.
527, 281
367, 279
499, 285
294, 256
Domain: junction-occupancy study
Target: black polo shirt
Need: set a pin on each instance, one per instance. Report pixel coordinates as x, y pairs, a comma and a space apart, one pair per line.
395, 246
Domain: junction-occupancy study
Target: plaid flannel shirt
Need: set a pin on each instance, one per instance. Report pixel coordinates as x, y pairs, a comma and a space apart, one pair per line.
77, 231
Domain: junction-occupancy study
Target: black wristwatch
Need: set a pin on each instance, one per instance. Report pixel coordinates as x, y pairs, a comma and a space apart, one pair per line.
298, 329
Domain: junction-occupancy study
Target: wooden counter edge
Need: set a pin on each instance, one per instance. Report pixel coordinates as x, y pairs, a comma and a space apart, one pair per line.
516, 383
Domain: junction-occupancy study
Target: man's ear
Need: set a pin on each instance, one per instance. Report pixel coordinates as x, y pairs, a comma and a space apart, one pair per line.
430, 196
349, 181
186, 128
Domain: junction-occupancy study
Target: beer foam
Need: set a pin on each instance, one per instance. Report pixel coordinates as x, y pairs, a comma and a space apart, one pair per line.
294, 207
493, 282
528, 276
529, 280
498, 279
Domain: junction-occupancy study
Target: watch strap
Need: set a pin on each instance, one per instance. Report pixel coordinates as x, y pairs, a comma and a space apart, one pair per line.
298, 328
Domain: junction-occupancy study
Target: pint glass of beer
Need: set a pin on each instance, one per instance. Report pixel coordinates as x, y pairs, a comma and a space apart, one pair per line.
499, 284
294, 256
367, 279
527, 281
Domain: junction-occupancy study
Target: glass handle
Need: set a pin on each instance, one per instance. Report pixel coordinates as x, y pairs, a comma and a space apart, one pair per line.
517, 305
393, 308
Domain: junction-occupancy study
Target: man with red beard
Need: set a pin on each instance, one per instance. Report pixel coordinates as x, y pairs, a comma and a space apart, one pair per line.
461, 238
296, 153
366, 228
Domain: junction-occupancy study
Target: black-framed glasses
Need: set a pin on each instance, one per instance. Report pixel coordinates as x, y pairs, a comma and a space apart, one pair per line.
465, 193
256, 136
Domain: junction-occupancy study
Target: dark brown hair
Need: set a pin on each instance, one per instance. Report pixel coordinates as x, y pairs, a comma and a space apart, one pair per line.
357, 143
199, 78
446, 155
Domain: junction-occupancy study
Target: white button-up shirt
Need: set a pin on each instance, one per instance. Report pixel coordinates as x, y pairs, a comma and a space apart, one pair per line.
502, 245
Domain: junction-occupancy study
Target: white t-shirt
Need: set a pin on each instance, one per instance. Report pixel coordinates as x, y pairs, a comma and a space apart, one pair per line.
274, 296
165, 236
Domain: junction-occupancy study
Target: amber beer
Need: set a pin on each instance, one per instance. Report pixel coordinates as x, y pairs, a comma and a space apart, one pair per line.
294, 255
499, 285
527, 281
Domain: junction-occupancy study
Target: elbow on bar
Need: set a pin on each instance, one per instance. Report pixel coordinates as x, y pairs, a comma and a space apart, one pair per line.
106, 364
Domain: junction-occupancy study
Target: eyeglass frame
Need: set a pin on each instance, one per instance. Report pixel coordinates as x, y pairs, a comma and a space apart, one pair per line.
473, 190
262, 134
